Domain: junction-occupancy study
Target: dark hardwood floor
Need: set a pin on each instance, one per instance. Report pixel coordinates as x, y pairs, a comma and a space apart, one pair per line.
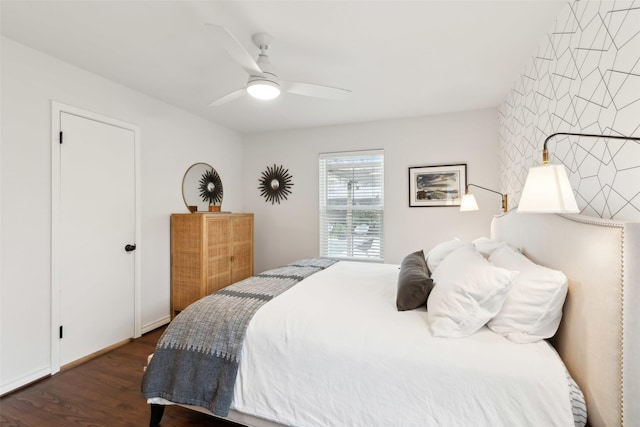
104, 391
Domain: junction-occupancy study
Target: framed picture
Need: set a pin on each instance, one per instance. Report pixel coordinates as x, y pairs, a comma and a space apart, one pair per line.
442, 185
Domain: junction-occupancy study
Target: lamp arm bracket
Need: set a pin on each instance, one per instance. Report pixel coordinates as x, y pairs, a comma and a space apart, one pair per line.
590, 135
484, 188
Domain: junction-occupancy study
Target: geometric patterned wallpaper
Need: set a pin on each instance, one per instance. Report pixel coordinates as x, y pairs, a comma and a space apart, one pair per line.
583, 78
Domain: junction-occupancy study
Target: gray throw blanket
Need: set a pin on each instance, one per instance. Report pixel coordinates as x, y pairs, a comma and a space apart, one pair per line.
196, 360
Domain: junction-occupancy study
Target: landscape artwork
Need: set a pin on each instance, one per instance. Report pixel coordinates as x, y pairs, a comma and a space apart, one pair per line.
437, 185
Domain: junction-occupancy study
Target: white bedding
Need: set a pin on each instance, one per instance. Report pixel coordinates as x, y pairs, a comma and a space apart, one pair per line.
391, 370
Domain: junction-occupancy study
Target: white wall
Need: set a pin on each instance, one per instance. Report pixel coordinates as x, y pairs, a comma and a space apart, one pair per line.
289, 231
171, 140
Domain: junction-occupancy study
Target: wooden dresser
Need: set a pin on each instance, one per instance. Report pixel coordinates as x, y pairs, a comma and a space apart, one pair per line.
208, 252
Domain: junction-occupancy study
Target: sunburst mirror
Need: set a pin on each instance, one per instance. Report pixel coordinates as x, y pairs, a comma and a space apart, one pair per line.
275, 184
202, 188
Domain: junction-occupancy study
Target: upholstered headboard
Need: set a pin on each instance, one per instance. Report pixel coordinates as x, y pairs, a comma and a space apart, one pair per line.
599, 337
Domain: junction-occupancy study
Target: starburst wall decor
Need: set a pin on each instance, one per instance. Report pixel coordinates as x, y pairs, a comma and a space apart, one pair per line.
211, 187
275, 184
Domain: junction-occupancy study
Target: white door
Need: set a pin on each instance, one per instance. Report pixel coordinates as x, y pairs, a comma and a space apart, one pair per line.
96, 222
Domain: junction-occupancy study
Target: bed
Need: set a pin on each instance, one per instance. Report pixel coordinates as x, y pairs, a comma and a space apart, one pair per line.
298, 361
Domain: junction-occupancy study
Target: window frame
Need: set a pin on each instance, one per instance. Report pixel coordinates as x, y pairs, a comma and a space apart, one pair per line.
362, 231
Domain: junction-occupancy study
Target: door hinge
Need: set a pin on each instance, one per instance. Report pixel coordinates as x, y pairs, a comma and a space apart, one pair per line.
60, 137
60, 331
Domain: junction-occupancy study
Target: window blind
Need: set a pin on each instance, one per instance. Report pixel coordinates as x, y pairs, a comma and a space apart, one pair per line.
352, 205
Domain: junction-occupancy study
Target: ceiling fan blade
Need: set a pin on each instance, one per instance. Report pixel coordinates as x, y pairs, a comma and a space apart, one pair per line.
235, 49
318, 91
228, 97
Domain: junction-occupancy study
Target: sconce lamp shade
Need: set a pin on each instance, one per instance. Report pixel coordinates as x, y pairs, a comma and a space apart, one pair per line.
263, 89
468, 203
547, 190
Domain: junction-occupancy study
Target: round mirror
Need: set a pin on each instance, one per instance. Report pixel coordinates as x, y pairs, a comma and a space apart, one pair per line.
202, 188
275, 184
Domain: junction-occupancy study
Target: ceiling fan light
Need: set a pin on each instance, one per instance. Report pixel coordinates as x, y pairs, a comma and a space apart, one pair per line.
263, 89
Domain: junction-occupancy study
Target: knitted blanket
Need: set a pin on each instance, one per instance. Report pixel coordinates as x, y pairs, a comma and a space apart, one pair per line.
196, 360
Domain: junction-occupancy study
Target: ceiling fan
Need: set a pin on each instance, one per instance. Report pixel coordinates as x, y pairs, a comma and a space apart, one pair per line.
263, 82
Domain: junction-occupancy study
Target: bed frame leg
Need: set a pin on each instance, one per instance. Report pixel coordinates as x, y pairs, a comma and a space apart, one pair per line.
157, 411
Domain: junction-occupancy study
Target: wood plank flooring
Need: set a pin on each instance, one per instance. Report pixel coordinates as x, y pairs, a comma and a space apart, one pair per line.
103, 392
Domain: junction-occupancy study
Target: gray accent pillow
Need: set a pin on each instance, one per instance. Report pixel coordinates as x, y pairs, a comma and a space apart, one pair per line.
414, 283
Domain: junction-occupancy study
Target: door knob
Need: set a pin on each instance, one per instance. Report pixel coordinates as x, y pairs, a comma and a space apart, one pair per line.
130, 248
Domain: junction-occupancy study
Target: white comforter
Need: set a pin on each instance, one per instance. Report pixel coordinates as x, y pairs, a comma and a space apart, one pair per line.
334, 351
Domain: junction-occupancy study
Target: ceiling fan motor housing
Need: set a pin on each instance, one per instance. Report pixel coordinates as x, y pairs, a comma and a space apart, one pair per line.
267, 70
267, 85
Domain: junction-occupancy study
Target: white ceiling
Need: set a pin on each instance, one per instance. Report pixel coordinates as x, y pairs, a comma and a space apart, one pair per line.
400, 58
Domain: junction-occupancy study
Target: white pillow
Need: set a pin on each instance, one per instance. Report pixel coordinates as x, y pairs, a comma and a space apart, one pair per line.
467, 292
440, 252
533, 307
486, 246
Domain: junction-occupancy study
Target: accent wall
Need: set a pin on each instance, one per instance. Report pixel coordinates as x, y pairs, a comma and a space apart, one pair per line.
583, 78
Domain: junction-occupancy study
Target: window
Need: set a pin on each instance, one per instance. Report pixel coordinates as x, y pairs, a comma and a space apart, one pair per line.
352, 205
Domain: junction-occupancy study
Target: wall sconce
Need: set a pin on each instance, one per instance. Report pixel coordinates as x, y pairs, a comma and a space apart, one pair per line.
469, 203
547, 188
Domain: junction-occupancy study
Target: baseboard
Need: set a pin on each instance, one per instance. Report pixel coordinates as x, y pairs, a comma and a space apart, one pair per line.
93, 355
42, 373
24, 381
155, 325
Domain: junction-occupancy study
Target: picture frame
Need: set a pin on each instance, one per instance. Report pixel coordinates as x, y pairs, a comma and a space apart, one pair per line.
438, 185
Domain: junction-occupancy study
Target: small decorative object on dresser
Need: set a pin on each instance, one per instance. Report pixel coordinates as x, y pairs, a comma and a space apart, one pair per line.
202, 189
437, 185
275, 184
208, 252
211, 189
